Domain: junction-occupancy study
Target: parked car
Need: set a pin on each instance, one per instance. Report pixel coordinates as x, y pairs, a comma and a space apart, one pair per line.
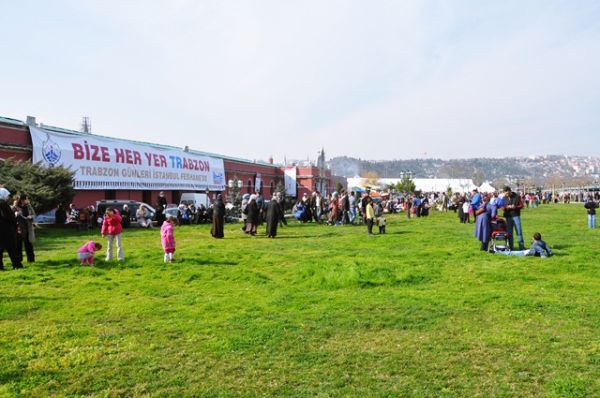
172, 211
45, 218
102, 205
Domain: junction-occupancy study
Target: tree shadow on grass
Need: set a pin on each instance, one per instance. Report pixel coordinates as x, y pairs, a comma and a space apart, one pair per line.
306, 236
28, 298
206, 262
56, 264
399, 233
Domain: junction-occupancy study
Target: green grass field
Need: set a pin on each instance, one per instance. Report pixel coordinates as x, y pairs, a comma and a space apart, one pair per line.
319, 311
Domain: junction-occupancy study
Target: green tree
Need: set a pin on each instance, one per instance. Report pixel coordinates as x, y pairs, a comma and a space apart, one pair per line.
406, 185
46, 187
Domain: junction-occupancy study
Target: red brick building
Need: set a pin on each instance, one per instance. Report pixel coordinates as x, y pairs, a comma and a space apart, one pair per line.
241, 175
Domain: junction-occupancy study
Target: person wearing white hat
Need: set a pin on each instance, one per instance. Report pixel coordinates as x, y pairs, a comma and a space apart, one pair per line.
8, 231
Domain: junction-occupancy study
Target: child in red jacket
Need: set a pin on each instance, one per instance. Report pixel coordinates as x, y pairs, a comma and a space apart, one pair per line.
111, 228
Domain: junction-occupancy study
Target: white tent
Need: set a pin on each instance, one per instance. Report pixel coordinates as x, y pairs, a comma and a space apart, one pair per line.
424, 184
487, 188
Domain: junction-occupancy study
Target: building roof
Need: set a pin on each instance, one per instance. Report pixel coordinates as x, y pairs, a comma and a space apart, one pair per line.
8, 120
170, 147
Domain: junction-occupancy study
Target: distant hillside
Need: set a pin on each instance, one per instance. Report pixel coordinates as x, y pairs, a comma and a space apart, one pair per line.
537, 170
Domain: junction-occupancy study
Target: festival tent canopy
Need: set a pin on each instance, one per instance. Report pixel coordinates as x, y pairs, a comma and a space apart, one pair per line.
487, 188
424, 184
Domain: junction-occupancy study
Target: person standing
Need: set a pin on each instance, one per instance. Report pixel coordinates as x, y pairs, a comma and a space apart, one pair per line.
252, 210
273, 217
408, 205
334, 209
260, 204
26, 235
352, 203
591, 207
8, 231
125, 216
369, 215
161, 205
60, 215
345, 208
512, 212
111, 229
167, 239
483, 228
218, 219
317, 206
244, 209
281, 201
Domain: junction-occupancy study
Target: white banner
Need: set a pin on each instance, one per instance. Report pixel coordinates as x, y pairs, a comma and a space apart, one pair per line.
257, 182
107, 163
290, 180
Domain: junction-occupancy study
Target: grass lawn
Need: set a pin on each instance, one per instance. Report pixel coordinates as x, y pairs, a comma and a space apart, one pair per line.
319, 311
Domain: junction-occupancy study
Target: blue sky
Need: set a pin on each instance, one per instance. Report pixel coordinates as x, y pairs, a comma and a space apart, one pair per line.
376, 80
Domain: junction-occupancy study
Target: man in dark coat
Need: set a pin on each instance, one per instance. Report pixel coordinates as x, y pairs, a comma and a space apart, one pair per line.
274, 215
218, 219
161, 205
8, 231
126, 216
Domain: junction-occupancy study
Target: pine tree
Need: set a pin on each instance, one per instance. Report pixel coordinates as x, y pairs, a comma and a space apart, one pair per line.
46, 187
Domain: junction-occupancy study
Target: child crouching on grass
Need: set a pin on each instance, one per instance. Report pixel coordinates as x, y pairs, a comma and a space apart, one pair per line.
85, 254
167, 238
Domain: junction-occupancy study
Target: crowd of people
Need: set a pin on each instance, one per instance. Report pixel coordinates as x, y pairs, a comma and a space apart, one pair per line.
17, 231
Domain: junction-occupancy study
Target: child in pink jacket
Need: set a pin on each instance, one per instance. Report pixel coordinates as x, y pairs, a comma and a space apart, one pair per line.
167, 238
85, 254
111, 229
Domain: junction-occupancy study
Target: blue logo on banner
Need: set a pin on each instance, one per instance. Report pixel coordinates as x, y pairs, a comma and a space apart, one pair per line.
218, 177
51, 151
